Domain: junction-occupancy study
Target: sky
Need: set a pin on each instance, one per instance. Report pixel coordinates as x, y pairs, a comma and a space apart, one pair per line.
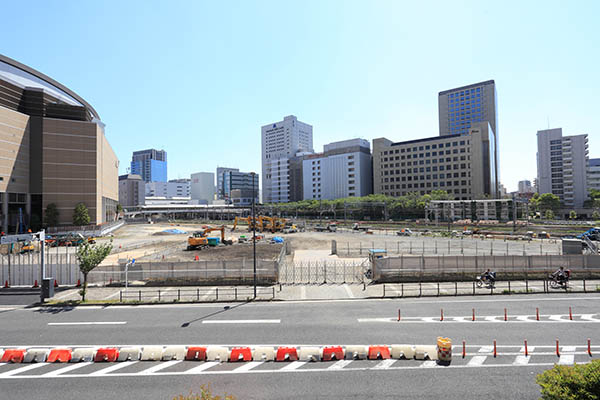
199, 79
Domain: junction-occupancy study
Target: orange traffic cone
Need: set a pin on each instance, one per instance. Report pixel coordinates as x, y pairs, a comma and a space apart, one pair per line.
78, 283
55, 283
35, 284
6, 285
196, 258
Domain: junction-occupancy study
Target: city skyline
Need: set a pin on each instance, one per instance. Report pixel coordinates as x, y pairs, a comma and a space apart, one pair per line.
344, 82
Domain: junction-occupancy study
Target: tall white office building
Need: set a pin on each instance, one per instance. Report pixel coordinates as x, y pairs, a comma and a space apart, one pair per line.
562, 164
344, 169
281, 141
202, 188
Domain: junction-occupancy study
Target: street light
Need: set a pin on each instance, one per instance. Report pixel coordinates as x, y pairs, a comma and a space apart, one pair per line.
254, 228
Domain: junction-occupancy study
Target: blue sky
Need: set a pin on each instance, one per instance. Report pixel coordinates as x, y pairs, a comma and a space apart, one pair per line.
200, 78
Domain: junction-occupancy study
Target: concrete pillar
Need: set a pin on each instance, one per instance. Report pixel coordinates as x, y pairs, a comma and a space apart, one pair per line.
4, 221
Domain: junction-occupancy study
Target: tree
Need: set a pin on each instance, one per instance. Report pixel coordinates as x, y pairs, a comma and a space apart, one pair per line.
596, 215
580, 381
89, 256
51, 215
81, 216
119, 208
549, 201
572, 214
549, 214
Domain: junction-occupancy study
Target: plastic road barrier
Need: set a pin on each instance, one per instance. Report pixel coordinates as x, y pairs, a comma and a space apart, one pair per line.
356, 352
286, 354
108, 354
263, 354
310, 354
129, 353
240, 354
151, 353
425, 352
444, 349
36, 355
379, 352
59, 355
82, 354
13, 355
405, 351
217, 353
196, 354
333, 352
174, 353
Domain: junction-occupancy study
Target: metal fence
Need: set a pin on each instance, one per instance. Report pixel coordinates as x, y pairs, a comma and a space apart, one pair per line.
398, 269
198, 294
24, 269
323, 271
438, 246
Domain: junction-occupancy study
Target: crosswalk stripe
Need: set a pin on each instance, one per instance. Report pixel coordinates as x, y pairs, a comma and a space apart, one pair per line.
160, 366
486, 349
428, 364
248, 366
340, 364
567, 357
203, 367
385, 364
112, 368
22, 369
294, 365
476, 361
67, 369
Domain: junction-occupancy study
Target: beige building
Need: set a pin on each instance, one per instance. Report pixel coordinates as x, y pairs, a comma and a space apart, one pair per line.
462, 165
53, 150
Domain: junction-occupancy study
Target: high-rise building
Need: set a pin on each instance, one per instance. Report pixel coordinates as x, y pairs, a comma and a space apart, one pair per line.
173, 188
593, 178
525, 187
53, 150
203, 187
462, 165
220, 172
131, 190
240, 187
150, 164
281, 141
562, 163
344, 169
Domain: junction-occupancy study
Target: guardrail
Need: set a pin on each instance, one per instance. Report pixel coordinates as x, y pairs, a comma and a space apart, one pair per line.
211, 294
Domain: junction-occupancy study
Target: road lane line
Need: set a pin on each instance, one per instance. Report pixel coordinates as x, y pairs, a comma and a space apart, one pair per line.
476, 361
87, 323
248, 366
486, 349
339, 364
242, 321
567, 356
112, 368
294, 365
428, 364
22, 369
349, 292
385, 364
158, 367
200, 368
67, 369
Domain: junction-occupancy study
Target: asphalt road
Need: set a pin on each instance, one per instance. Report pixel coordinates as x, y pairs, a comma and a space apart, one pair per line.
367, 322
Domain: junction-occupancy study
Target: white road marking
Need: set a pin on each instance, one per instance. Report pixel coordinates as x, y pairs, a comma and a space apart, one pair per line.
22, 369
158, 367
385, 364
87, 323
491, 319
486, 349
429, 364
476, 361
115, 367
248, 366
566, 355
349, 291
339, 365
115, 294
556, 318
67, 369
203, 367
63, 295
294, 365
242, 321
552, 319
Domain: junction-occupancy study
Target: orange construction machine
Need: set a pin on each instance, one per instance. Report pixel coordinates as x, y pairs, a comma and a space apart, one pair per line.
199, 239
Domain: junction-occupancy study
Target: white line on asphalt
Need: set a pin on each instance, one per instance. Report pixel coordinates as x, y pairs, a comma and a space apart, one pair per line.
429, 364
202, 367
158, 367
242, 321
385, 364
115, 367
67, 369
248, 366
486, 349
115, 294
63, 295
339, 364
476, 361
294, 365
88, 323
22, 369
349, 291
566, 355
522, 359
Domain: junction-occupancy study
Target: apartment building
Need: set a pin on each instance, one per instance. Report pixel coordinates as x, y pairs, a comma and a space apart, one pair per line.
150, 164
131, 190
593, 178
172, 188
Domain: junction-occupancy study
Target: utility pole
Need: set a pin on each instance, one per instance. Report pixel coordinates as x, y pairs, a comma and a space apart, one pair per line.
254, 229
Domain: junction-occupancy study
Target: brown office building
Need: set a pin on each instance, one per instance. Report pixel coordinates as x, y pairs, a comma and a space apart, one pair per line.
52, 150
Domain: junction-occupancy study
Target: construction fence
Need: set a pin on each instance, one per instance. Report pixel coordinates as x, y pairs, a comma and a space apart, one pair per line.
323, 271
461, 268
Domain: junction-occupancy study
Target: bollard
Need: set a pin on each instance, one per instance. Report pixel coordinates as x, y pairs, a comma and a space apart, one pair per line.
570, 314
473, 315
495, 352
526, 351
441, 314
399, 315
537, 314
505, 316
557, 349
589, 347
464, 350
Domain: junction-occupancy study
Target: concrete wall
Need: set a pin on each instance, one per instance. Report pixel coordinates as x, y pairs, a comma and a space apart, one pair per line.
14, 151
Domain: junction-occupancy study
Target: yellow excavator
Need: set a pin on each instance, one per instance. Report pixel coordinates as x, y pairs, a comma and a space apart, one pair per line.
199, 239
250, 221
273, 224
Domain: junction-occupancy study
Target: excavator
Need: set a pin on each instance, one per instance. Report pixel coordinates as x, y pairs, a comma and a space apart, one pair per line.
200, 239
249, 221
274, 224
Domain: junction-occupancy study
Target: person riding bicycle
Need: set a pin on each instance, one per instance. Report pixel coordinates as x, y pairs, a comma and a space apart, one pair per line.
490, 276
561, 275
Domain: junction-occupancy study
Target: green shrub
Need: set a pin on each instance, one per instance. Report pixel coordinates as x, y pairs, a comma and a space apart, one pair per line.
579, 382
